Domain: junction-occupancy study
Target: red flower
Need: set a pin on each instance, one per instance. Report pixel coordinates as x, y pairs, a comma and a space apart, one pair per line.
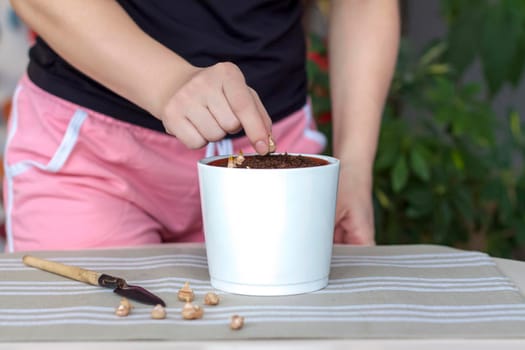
324, 118
320, 60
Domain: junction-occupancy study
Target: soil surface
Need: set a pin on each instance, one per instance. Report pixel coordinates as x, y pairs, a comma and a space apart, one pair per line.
274, 161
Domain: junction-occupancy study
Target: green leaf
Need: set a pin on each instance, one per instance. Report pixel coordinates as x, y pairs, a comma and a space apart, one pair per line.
462, 203
400, 174
441, 219
432, 54
515, 70
520, 230
515, 126
463, 30
382, 198
470, 90
505, 207
316, 43
320, 104
420, 201
500, 32
457, 160
386, 157
518, 63
491, 191
451, 9
438, 69
419, 164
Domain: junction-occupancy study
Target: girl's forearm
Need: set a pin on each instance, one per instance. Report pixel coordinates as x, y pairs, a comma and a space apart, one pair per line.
98, 38
363, 44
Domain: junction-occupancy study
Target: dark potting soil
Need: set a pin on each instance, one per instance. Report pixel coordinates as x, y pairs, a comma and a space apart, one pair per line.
274, 161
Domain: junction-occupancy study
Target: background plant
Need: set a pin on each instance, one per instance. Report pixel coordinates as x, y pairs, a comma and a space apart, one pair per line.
448, 169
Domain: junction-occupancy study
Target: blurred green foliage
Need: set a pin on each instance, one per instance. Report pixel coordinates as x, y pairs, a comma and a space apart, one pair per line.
449, 168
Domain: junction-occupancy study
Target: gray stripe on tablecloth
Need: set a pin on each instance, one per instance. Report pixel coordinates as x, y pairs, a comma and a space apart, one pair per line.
374, 292
402, 258
342, 284
202, 257
346, 285
384, 313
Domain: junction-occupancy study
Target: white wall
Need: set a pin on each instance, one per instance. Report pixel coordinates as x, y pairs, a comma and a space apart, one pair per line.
13, 61
13, 49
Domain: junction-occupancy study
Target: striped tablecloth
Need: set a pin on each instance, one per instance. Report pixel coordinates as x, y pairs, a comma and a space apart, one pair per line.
374, 292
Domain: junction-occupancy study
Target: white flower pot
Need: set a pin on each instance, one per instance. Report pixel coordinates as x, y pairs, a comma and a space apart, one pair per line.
269, 231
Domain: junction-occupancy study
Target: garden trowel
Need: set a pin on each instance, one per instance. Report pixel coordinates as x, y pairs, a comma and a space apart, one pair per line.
118, 284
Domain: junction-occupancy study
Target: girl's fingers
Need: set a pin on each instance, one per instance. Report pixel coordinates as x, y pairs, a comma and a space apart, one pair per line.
215, 102
207, 126
262, 110
245, 108
185, 132
223, 114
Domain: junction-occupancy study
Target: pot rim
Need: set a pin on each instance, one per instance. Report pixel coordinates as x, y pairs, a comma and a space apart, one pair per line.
332, 161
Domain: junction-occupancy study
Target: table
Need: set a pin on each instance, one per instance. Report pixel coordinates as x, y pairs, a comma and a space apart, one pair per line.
515, 270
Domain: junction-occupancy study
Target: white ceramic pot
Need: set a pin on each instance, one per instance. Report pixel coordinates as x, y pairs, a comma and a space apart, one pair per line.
269, 231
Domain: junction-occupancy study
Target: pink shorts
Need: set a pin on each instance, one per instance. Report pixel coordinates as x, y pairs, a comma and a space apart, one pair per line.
77, 179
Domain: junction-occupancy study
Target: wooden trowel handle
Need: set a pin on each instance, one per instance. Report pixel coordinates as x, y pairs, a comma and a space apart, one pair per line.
73, 272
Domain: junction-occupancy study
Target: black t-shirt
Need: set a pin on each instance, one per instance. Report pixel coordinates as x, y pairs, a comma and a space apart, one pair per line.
263, 37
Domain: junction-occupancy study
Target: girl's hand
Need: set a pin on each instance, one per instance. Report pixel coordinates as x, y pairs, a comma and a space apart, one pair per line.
355, 211
213, 102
